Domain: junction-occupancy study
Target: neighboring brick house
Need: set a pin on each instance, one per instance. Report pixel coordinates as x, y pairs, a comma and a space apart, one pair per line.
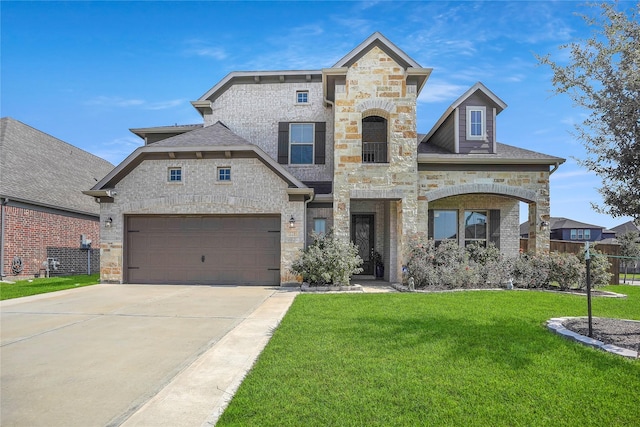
282, 153
43, 213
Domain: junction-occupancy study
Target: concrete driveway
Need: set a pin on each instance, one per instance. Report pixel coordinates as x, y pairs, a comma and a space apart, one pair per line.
143, 355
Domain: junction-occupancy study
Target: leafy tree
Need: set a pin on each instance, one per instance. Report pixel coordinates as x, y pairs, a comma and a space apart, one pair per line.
629, 247
603, 76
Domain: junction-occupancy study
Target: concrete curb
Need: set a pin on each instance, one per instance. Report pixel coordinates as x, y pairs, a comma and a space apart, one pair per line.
555, 325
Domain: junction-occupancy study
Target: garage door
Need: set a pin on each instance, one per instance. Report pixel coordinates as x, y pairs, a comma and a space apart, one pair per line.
218, 250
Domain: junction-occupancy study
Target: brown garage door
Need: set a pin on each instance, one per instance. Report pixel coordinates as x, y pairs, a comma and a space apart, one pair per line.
219, 250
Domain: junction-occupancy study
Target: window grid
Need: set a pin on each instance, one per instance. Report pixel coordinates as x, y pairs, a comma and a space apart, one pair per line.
224, 174
175, 174
475, 227
302, 97
476, 123
301, 138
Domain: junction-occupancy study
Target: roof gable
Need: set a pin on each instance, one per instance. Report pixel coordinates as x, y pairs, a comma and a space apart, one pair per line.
377, 39
492, 99
215, 140
39, 169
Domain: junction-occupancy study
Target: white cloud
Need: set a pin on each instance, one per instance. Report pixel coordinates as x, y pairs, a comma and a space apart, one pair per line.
114, 101
438, 91
118, 102
203, 48
116, 150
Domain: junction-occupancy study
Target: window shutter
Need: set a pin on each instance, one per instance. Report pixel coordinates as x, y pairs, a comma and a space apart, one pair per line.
283, 143
320, 143
494, 227
430, 233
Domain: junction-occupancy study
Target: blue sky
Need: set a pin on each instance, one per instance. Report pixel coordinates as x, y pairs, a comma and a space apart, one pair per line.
87, 72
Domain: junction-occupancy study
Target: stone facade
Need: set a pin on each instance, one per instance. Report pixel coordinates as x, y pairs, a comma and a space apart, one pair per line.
437, 187
376, 85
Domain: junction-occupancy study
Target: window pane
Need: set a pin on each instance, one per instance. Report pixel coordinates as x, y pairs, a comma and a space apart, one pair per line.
476, 123
475, 225
303, 97
579, 234
301, 154
445, 225
320, 225
301, 133
587, 234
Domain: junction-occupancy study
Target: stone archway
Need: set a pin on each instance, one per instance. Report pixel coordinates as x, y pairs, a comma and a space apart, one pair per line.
538, 202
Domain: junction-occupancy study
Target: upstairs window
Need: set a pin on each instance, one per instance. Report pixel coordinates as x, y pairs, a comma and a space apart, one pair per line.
374, 139
175, 174
301, 143
476, 122
224, 174
302, 97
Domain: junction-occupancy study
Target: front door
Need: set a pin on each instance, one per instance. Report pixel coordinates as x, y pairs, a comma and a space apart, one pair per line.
362, 236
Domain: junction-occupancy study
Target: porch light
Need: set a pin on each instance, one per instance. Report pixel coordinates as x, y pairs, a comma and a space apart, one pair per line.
107, 222
544, 225
292, 222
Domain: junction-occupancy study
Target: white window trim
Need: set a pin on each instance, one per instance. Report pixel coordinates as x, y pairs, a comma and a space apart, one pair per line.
218, 180
169, 169
313, 144
302, 91
482, 137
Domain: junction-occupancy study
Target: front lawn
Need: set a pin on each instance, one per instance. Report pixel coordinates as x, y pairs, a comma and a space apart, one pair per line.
449, 359
43, 285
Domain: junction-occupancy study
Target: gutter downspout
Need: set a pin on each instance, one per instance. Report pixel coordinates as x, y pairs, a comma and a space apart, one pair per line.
2, 216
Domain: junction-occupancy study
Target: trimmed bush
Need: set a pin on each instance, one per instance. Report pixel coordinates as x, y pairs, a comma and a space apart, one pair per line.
328, 260
565, 269
600, 266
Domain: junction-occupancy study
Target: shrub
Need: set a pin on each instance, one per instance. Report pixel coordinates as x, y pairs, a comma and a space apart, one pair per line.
531, 271
443, 266
600, 266
328, 260
565, 269
492, 267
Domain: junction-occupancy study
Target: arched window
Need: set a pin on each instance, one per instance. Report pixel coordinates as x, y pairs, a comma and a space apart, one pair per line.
374, 139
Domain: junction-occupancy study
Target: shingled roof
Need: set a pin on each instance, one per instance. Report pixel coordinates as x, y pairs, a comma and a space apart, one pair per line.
39, 169
504, 154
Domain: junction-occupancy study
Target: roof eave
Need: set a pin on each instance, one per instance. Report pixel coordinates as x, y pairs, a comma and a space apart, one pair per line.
471, 160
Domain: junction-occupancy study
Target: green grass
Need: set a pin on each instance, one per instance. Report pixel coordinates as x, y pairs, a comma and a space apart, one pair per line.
25, 288
450, 359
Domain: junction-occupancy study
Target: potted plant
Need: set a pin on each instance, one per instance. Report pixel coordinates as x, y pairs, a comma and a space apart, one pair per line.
379, 265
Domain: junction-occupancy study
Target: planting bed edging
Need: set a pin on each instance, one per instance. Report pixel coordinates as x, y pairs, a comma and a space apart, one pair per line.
555, 325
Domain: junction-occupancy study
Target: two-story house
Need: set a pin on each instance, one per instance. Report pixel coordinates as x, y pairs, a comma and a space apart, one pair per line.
282, 153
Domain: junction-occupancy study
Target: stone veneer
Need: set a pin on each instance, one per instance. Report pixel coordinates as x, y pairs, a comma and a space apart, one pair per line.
437, 187
254, 189
376, 85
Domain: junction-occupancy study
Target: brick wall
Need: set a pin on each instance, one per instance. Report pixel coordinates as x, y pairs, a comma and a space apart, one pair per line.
34, 235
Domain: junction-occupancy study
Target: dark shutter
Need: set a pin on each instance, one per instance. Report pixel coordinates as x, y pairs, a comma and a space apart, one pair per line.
283, 143
494, 227
430, 233
320, 143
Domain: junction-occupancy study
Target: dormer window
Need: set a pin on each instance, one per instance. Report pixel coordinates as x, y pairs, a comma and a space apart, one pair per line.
302, 97
476, 122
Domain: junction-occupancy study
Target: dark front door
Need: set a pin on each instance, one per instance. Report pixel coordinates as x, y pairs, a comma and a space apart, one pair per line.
362, 237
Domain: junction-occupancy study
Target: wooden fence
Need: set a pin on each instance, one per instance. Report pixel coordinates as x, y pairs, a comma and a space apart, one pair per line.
563, 246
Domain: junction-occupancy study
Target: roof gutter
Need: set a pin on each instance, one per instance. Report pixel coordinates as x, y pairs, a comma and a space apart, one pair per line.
555, 168
469, 159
